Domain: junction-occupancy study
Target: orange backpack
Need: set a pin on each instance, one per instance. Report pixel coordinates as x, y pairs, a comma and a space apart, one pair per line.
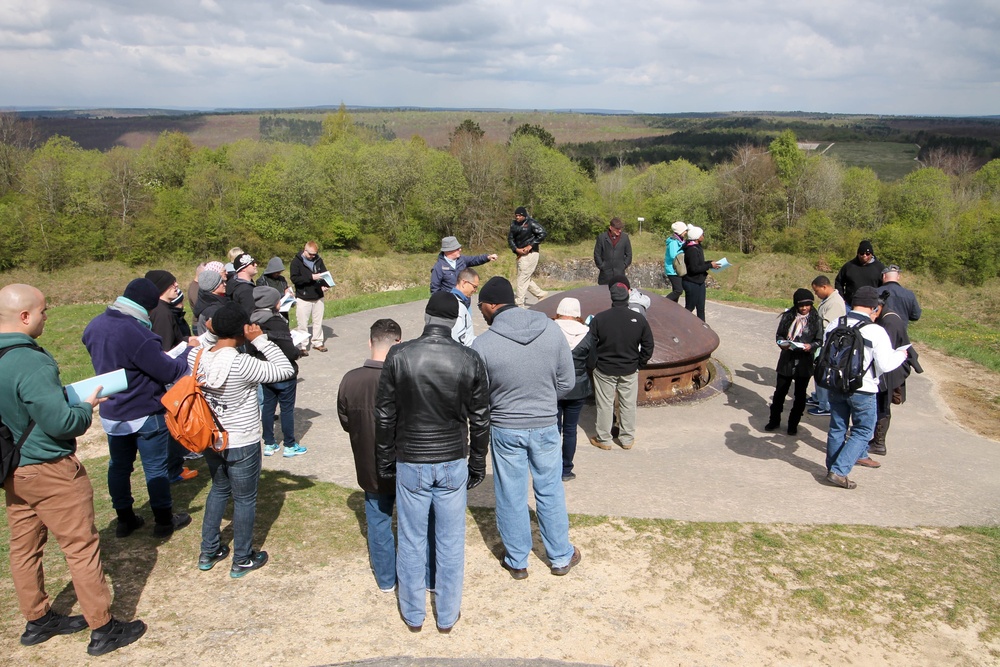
190, 418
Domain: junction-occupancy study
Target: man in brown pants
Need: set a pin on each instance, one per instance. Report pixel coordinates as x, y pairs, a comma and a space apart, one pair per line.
49, 491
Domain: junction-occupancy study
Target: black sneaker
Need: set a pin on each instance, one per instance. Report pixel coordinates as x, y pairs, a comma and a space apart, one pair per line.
207, 561
48, 626
177, 521
120, 634
256, 560
126, 528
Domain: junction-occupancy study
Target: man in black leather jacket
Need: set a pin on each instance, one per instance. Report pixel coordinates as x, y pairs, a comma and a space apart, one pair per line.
433, 395
523, 238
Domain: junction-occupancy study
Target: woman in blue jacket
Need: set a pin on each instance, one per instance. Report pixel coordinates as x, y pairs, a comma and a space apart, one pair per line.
674, 243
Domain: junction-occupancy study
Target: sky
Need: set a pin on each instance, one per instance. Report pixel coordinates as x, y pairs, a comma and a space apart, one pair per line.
923, 57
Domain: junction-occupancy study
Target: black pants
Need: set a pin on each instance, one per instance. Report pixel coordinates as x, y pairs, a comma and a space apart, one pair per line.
694, 297
798, 403
676, 288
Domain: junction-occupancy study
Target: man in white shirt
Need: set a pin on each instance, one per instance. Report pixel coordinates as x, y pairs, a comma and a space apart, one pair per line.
859, 408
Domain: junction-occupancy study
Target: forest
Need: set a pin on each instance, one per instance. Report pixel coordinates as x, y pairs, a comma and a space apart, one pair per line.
354, 186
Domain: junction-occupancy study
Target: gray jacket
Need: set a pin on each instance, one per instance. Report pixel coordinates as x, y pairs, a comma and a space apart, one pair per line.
530, 368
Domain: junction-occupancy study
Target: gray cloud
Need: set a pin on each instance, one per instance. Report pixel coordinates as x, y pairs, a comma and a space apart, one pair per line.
918, 56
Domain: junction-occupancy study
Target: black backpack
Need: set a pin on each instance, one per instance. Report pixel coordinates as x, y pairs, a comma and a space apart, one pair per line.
10, 451
841, 363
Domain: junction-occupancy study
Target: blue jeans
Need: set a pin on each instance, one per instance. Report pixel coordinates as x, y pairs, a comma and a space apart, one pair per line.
235, 473
859, 409
823, 398
152, 442
381, 541
515, 453
567, 419
421, 487
283, 394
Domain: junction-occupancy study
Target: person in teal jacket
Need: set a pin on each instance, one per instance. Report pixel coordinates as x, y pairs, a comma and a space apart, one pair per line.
674, 243
49, 491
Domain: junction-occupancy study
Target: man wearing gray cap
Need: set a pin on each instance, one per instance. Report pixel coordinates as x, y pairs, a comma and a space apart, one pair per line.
450, 263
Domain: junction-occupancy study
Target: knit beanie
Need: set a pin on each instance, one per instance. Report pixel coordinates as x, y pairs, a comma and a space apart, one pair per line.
618, 293
208, 280
619, 280
679, 227
228, 321
497, 290
520, 210
802, 296
163, 280
569, 307
265, 297
866, 297
143, 292
865, 246
443, 305
218, 267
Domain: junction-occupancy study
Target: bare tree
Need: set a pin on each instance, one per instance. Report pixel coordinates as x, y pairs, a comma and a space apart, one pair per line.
17, 138
748, 193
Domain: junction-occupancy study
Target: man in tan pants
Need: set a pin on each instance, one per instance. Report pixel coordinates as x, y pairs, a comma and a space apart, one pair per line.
523, 238
306, 273
49, 491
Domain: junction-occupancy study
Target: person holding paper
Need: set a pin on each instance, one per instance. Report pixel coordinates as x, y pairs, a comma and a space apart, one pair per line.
272, 278
49, 491
121, 337
799, 333
307, 271
697, 271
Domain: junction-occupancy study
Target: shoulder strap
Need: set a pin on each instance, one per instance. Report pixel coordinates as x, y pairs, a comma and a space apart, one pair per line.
31, 422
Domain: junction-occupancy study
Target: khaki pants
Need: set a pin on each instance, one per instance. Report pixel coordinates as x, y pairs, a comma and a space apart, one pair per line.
626, 389
525, 269
306, 310
55, 497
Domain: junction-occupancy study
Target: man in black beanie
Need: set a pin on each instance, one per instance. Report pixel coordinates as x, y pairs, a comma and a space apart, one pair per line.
858, 272
432, 403
623, 343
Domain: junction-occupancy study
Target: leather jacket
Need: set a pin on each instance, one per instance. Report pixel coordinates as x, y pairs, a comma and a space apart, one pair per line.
433, 392
529, 233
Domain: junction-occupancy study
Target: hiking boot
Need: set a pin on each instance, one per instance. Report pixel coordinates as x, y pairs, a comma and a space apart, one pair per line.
294, 450
117, 634
177, 521
48, 626
207, 561
270, 450
126, 527
575, 560
256, 561
600, 445
840, 480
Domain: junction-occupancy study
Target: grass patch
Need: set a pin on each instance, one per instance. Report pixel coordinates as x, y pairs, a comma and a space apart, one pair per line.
891, 161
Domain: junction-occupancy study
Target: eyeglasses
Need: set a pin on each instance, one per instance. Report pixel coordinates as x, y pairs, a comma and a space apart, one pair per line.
475, 286
867, 253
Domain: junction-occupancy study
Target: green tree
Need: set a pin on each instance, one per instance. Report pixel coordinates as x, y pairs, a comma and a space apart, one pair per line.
790, 164
165, 161
748, 197
536, 131
338, 126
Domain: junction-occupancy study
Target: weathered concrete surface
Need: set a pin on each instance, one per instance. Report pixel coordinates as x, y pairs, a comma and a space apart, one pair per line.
709, 460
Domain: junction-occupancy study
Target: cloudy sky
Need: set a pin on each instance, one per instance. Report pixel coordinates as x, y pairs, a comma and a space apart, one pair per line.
857, 56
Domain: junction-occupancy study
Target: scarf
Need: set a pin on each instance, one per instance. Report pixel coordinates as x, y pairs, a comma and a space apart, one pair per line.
132, 309
310, 263
797, 325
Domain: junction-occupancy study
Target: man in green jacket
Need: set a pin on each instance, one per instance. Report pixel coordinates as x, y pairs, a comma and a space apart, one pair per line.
49, 491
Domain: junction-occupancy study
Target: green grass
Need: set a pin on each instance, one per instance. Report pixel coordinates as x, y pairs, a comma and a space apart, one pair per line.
891, 161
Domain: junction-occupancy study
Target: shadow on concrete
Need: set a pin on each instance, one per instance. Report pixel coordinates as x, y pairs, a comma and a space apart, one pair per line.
741, 441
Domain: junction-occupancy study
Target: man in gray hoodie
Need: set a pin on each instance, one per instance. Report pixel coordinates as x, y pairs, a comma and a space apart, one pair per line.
530, 367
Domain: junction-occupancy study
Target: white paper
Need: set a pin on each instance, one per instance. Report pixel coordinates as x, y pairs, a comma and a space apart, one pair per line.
111, 383
723, 263
327, 278
286, 303
177, 350
300, 338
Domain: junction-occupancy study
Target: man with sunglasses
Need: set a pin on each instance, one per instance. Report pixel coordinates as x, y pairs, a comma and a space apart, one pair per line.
858, 272
466, 285
306, 273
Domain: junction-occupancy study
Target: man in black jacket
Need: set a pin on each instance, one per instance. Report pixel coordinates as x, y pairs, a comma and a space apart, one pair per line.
306, 272
356, 409
612, 252
858, 272
523, 238
433, 395
239, 289
623, 343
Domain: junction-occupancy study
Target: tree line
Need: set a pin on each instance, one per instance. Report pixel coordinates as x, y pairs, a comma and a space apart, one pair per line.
354, 187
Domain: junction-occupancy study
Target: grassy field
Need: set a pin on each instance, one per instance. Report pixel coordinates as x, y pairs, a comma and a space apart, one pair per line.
891, 161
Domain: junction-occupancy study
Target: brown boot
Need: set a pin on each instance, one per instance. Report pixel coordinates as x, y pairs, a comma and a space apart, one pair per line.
877, 444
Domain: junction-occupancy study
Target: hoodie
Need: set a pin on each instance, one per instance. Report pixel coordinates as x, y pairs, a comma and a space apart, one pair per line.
530, 368
230, 384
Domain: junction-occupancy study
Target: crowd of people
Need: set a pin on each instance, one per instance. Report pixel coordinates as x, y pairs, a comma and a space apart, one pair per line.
422, 414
